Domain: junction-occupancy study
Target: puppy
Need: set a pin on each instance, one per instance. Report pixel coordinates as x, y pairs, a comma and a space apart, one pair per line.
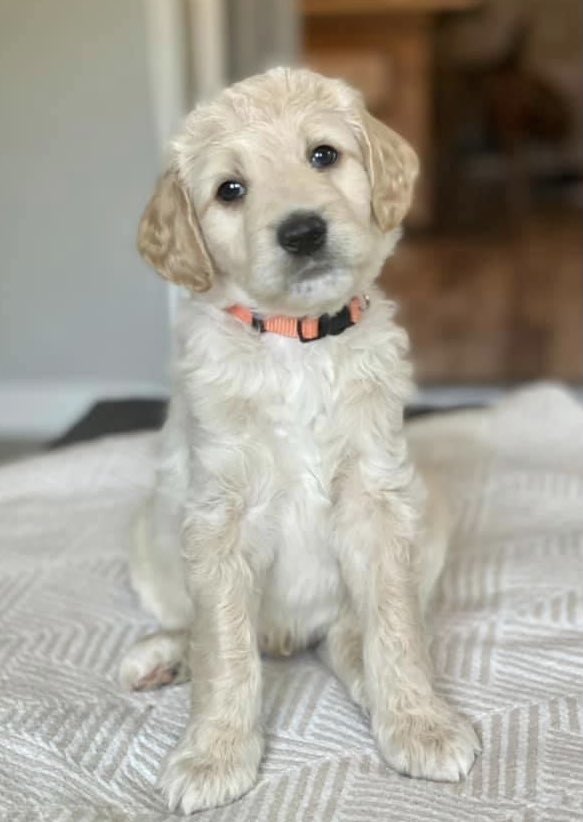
286, 512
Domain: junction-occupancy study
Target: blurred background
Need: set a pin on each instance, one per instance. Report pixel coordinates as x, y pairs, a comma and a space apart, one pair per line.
489, 275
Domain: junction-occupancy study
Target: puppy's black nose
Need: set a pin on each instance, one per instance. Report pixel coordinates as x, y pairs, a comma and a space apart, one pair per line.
303, 232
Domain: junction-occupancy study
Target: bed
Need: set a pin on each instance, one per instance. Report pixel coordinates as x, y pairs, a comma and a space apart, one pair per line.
507, 640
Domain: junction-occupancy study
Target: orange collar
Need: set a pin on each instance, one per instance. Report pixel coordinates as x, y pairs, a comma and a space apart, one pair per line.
306, 329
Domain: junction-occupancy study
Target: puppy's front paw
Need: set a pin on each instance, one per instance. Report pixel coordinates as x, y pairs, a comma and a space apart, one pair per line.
432, 742
192, 779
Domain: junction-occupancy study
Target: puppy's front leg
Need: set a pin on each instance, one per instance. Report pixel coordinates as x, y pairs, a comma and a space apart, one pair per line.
218, 757
419, 734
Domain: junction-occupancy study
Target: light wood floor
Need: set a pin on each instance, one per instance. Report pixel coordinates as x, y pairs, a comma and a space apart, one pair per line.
494, 308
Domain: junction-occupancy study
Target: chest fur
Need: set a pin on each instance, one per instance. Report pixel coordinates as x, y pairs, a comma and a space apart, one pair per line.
297, 408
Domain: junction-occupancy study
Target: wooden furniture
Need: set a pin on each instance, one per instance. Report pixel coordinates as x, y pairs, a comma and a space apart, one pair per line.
384, 47
458, 299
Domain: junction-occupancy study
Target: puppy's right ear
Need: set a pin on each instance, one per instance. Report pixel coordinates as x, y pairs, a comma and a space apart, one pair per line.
170, 239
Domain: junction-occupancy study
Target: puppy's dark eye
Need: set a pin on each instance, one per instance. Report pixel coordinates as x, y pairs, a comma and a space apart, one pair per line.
323, 156
231, 190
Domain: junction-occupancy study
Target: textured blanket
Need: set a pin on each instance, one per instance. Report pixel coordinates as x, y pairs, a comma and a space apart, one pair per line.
507, 641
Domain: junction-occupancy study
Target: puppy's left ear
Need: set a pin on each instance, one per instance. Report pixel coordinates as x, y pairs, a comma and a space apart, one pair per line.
392, 167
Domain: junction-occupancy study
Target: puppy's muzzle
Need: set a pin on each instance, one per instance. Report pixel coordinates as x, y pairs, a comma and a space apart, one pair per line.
302, 233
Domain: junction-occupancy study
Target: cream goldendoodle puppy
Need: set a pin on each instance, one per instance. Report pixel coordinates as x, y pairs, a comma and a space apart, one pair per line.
287, 512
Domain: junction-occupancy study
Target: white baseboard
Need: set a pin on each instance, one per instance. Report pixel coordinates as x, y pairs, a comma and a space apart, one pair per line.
43, 409
451, 396
448, 396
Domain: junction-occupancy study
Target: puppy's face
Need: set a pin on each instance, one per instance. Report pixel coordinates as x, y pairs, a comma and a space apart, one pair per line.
283, 194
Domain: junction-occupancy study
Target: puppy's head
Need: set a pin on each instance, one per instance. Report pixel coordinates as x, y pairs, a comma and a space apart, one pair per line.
284, 193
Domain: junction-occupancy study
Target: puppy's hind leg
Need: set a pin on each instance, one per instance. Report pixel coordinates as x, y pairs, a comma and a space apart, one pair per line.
341, 652
156, 660
156, 570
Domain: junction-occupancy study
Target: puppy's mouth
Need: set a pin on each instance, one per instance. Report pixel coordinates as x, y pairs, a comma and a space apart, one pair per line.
312, 268
319, 282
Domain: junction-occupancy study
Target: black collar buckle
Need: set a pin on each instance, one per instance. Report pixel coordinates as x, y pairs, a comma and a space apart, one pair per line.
337, 323
329, 325
258, 324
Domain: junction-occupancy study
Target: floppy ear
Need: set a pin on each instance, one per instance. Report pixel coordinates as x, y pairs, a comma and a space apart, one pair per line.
392, 166
170, 239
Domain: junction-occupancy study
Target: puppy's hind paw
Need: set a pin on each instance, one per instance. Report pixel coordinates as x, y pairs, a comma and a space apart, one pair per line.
154, 661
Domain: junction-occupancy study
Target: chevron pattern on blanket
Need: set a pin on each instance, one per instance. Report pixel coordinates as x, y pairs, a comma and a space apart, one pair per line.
507, 628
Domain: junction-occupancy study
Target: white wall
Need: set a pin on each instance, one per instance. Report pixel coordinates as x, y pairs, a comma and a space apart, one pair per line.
78, 158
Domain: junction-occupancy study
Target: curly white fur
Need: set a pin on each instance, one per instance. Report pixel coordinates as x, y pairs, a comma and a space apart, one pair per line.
287, 512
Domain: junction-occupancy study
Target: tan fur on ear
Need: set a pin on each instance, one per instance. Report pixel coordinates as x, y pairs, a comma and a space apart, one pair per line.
170, 239
393, 167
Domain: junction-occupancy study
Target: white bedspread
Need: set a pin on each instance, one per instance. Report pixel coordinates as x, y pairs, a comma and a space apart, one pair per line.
508, 641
